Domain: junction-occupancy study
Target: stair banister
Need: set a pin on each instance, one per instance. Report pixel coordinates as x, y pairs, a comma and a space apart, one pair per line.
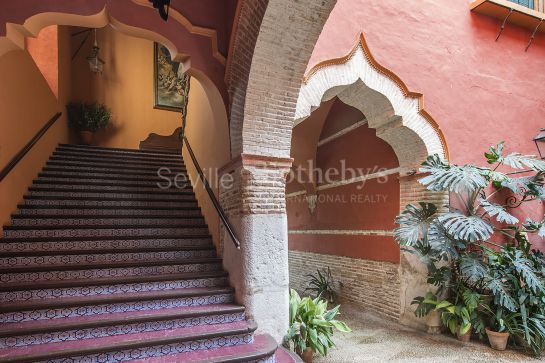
215, 202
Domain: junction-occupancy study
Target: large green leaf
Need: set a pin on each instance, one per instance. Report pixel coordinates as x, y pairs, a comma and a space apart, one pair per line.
443, 176
496, 210
525, 269
467, 228
442, 243
502, 296
472, 268
495, 153
538, 227
519, 161
414, 222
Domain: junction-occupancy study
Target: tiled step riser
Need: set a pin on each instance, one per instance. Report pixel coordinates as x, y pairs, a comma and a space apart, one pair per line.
113, 195
66, 182
31, 261
113, 330
142, 221
101, 156
106, 244
108, 213
153, 189
123, 167
71, 159
162, 350
108, 232
110, 203
107, 272
143, 305
117, 177
115, 152
155, 172
11, 296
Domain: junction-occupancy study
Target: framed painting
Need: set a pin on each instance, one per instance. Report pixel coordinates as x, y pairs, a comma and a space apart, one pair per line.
171, 85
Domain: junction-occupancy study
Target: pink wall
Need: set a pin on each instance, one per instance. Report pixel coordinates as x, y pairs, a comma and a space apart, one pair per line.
44, 50
478, 90
372, 205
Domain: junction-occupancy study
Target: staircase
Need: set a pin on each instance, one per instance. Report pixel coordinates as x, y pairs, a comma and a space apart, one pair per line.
102, 265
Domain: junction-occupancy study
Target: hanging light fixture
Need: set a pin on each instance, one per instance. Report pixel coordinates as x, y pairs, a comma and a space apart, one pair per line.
163, 6
95, 63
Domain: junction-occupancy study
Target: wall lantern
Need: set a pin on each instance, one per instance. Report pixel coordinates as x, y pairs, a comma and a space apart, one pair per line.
95, 63
540, 143
163, 6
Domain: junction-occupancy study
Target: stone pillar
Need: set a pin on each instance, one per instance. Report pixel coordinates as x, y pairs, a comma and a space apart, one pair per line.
256, 205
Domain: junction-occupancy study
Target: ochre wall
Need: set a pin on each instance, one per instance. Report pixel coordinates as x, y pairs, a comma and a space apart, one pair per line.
45, 53
367, 206
125, 86
27, 103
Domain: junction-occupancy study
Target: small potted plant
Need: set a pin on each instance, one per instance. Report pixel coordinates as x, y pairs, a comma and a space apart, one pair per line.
311, 326
87, 118
426, 307
501, 323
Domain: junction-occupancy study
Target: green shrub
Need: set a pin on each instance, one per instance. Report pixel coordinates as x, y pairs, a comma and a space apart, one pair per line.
88, 116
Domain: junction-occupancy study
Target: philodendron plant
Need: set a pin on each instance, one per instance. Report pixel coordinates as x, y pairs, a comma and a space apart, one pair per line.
312, 324
461, 244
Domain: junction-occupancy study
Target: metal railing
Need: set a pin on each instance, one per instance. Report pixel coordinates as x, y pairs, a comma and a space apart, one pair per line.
217, 205
21, 154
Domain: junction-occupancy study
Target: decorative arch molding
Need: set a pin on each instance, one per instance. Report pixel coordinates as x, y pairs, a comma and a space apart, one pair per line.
128, 16
333, 77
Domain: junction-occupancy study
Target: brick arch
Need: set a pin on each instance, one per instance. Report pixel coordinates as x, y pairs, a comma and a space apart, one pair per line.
277, 37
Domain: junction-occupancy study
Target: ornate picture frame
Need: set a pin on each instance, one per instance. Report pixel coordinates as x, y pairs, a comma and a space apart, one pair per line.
171, 86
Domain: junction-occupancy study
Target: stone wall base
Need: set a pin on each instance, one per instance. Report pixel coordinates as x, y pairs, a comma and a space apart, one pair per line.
373, 285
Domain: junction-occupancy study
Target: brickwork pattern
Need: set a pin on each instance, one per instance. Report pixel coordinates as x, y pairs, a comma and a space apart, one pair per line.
373, 285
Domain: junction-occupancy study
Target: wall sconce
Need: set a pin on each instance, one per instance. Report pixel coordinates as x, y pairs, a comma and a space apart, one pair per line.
540, 143
95, 63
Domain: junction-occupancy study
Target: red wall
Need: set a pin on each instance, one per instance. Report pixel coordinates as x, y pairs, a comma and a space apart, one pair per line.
371, 205
478, 90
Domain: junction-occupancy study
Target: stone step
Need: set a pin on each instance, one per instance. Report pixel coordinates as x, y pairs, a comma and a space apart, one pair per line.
100, 270
114, 176
137, 346
101, 305
23, 291
104, 155
75, 257
111, 195
107, 182
47, 221
77, 212
99, 204
80, 328
90, 244
106, 171
262, 349
122, 161
116, 151
102, 231
125, 167
148, 189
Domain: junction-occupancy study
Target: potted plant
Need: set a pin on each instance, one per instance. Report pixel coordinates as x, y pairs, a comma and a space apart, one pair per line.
321, 284
87, 118
501, 324
311, 326
460, 245
426, 307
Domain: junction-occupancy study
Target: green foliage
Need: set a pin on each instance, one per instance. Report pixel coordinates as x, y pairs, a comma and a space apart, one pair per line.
88, 116
461, 259
321, 285
312, 324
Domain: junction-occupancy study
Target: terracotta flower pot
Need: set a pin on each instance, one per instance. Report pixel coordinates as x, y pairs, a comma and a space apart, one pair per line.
498, 341
86, 137
306, 356
464, 337
433, 321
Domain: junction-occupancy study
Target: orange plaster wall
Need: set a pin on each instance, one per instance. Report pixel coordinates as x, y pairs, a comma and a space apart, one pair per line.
27, 103
45, 53
371, 205
125, 86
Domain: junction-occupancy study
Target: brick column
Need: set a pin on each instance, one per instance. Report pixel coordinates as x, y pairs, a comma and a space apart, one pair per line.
255, 203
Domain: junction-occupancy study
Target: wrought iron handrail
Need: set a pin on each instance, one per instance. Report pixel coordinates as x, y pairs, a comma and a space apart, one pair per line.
217, 206
21, 154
